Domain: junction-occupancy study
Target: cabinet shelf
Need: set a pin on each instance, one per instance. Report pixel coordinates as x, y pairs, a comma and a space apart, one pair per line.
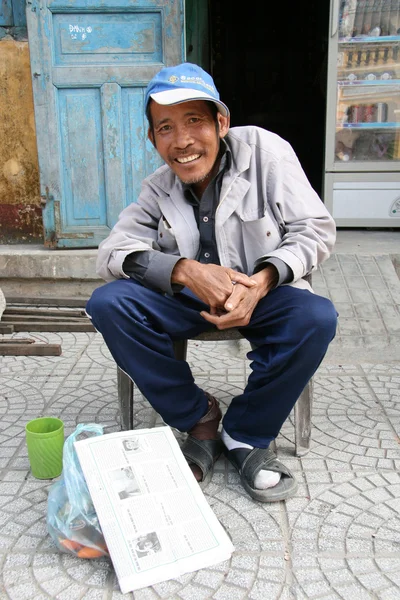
376, 125
370, 82
370, 39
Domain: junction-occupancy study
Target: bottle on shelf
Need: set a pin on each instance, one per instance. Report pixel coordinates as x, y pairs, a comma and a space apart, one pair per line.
368, 113
381, 112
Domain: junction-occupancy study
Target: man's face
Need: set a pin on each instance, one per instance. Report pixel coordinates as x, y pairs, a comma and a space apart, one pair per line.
187, 138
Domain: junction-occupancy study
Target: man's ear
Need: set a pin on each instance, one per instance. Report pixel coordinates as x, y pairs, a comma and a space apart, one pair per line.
223, 123
151, 136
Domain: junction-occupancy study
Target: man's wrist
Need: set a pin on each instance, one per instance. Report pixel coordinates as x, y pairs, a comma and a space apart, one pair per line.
267, 278
285, 273
182, 271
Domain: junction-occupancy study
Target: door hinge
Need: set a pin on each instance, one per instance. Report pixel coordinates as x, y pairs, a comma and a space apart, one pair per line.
45, 198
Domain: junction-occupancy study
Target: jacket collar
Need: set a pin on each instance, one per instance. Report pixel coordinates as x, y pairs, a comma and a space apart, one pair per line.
234, 187
240, 151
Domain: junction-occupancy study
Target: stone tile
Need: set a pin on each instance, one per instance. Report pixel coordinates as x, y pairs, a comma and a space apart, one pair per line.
351, 504
341, 296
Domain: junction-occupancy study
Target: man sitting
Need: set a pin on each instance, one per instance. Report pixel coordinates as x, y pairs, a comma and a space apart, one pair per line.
220, 236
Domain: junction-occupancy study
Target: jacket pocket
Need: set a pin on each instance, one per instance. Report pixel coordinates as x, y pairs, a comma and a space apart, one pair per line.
166, 237
260, 237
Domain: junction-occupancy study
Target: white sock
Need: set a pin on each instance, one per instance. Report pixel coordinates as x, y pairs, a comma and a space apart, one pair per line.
264, 479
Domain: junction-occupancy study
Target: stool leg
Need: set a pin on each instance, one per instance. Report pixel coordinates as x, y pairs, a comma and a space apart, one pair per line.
180, 349
302, 421
125, 398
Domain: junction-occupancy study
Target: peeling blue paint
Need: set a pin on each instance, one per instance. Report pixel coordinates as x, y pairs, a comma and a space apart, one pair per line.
6, 16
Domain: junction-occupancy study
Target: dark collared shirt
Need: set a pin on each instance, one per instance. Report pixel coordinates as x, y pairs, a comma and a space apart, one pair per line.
204, 212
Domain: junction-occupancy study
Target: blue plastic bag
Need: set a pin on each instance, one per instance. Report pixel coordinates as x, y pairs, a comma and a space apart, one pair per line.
71, 518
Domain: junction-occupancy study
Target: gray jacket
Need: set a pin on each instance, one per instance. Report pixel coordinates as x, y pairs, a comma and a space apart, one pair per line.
267, 208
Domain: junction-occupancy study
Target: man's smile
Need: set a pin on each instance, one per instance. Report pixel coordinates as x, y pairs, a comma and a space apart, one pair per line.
186, 159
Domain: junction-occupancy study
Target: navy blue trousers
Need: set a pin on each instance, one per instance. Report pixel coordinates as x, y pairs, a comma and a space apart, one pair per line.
290, 331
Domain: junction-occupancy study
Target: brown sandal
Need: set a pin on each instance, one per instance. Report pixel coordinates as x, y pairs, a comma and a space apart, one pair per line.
203, 446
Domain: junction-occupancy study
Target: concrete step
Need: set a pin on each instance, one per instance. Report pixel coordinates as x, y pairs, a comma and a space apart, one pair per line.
32, 270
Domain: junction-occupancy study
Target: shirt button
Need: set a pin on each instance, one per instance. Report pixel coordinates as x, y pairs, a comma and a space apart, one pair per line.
205, 219
207, 254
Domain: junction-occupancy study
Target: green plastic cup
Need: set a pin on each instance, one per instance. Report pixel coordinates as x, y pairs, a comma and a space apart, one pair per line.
45, 442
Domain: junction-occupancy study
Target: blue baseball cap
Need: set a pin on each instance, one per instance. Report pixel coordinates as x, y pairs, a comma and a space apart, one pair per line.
181, 83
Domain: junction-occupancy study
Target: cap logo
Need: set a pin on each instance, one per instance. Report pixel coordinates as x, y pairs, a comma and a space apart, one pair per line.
195, 80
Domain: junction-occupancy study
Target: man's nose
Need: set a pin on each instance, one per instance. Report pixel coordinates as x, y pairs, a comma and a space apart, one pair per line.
183, 137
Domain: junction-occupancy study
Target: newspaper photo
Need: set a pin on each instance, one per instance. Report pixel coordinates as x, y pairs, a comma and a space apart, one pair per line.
155, 519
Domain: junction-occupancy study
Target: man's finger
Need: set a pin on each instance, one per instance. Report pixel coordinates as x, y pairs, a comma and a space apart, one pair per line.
209, 317
233, 302
242, 278
238, 294
221, 322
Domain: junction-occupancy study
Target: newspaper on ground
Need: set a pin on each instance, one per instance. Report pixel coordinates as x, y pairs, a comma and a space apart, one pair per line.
155, 519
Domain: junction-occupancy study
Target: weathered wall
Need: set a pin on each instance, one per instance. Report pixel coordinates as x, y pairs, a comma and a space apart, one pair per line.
20, 209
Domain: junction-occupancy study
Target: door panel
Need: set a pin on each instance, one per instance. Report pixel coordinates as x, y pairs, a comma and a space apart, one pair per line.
82, 157
117, 38
90, 69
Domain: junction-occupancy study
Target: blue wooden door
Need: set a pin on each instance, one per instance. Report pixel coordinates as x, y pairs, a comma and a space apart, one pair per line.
91, 62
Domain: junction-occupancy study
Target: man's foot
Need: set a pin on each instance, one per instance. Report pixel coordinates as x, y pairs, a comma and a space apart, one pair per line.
264, 479
249, 462
207, 427
203, 446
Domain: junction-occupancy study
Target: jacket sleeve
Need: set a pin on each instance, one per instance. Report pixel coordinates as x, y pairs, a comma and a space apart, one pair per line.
308, 230
152, 269
136, 230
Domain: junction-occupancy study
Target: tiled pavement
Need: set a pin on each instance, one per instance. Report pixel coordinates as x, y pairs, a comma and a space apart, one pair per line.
339, 538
